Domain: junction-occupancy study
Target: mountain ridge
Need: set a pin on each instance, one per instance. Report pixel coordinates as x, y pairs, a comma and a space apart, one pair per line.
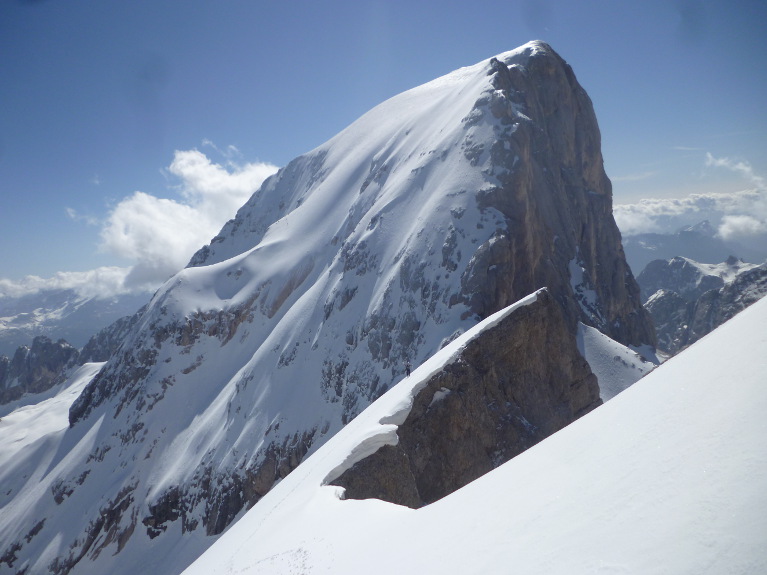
433, 211
687, 299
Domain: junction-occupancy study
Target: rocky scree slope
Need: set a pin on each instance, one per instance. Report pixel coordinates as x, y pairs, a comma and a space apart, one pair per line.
434, 210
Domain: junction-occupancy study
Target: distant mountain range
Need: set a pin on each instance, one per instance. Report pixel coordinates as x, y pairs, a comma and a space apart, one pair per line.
60, 314
699, 242
688, 299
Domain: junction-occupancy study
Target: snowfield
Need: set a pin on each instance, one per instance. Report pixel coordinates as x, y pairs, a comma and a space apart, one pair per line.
668, 477
616, 366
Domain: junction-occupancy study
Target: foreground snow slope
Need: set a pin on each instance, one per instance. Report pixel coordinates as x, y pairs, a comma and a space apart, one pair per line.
666, 478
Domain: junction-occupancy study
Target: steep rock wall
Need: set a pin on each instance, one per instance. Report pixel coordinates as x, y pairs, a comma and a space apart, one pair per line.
513, 386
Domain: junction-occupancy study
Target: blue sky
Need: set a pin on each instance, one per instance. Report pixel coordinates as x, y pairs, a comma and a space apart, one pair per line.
181, 99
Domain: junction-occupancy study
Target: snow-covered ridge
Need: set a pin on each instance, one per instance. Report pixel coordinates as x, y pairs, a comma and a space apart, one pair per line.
690, 278
666, 478
416, 126
727, 270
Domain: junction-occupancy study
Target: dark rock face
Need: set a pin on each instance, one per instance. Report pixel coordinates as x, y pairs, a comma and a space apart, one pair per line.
671, 314
35, 369
105, 343
558, 202
500, 397
681, 320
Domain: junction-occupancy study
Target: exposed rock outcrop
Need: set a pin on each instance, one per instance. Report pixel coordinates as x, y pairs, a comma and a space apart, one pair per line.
690, 303
105, 343
35, 368
557, 201
513, 386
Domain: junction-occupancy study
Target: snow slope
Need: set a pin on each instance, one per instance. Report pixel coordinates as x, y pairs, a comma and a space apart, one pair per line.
33, 448
668, 477
616, 366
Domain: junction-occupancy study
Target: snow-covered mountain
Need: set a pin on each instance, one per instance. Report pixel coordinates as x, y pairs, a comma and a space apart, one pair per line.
699, 242
36, 372
60, 314
35, 369
688, 278
687, 299
376, 250
666, 478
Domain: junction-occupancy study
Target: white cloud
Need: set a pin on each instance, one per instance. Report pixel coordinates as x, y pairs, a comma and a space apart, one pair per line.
739, 216
159, 234
78, 217
740, 167
100, 282
667, 215
738, 227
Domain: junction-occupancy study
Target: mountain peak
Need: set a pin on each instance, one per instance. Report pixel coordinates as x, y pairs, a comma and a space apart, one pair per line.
431, 212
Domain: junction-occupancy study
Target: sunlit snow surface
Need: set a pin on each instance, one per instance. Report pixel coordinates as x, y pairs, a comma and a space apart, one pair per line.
616, 366
668, 477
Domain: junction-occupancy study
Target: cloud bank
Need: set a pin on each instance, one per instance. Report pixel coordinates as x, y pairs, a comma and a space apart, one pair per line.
739, 216
159, 234
100, 282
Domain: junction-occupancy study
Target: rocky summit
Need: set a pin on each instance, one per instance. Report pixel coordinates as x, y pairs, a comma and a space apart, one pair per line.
354, 262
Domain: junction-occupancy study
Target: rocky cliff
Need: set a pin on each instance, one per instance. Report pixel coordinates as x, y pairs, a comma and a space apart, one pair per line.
434, 210
104, 344
497, 399
688, 300
35, 368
